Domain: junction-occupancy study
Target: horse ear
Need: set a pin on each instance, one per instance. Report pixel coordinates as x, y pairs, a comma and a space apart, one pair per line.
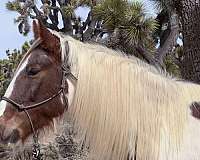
35, 30
50, 42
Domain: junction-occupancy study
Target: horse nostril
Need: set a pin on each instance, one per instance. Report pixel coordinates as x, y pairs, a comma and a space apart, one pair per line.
2, 128
8, 135
14, 136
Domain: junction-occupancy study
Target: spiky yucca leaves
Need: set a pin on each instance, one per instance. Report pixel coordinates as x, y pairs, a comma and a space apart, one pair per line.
111, 12
24, 11
14, 6
128, 23
47, 11
122, 20
136, 28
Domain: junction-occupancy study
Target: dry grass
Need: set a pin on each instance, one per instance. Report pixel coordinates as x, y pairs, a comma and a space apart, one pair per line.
64, 147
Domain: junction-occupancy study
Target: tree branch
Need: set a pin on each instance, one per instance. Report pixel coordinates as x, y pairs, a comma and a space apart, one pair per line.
55, 13
52, 11
147, 56
90, 23
170, 41
67, 25
43, 19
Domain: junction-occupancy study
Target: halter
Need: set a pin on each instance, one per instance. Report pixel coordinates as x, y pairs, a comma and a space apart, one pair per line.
66, 73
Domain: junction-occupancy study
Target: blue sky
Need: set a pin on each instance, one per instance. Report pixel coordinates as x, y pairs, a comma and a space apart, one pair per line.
9, 35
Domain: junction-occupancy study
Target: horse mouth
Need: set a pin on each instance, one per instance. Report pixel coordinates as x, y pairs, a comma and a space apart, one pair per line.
7, 136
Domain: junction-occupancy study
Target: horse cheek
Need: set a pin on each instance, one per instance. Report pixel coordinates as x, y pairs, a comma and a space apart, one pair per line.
34, 91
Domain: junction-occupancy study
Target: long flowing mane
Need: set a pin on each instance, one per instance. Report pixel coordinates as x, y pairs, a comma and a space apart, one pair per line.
124, 108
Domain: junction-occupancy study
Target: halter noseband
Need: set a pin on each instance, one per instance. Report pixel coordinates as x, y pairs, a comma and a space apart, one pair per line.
23, 108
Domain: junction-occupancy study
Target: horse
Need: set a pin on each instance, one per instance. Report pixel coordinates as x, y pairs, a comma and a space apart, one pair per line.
120, 107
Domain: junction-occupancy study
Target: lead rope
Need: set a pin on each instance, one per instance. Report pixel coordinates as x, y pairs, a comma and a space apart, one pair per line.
36, 153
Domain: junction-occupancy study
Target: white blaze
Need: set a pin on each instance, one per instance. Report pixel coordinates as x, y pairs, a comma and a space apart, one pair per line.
11, 86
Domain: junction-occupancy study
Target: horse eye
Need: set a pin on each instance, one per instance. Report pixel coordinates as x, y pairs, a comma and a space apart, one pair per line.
33, 71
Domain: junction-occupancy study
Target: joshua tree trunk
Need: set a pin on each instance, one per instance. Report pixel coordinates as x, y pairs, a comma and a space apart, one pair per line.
191, 39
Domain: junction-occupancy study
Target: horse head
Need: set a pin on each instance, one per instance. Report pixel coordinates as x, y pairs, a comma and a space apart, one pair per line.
36, 94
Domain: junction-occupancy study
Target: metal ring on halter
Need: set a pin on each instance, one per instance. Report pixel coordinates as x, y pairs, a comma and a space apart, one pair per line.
23, 108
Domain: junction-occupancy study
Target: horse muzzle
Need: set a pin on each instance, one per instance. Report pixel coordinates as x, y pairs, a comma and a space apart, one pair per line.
8, 135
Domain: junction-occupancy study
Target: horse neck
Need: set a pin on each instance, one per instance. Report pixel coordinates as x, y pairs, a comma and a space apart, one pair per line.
149, 95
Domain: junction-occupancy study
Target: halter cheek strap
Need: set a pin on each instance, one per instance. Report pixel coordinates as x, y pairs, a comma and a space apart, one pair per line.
23, 108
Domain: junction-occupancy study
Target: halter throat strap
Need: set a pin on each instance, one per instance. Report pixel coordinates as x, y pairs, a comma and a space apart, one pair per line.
66, 74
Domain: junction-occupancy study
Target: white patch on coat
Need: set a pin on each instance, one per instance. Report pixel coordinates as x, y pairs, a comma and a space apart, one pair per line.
11, 86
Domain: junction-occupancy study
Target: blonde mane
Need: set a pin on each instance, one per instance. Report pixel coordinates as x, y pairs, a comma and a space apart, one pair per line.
125, 109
